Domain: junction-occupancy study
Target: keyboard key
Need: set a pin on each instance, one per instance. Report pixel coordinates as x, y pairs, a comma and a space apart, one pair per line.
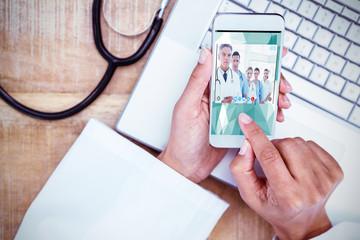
335, 63
243, 2
340, 25
289, 39
350, 14
351, 91
319, 55
355, 116
354, 33
334, 6
353, 4
307, 9
303, 47
323, 17
274, 8
291, 4
351, 72
228, 6
335, 83
289, 60
323, 37
307, 29
291, 20
319, 75
259, 5
353, 53
318, 96
303, 67
339, 45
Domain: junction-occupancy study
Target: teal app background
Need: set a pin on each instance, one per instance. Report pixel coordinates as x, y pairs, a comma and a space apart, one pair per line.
225, 117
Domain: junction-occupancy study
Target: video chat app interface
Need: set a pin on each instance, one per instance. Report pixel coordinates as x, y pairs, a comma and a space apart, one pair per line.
244, 79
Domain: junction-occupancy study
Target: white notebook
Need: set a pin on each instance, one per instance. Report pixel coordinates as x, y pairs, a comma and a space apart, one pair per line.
108, 188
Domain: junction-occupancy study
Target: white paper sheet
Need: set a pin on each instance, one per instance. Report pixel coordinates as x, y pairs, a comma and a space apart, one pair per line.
108, 188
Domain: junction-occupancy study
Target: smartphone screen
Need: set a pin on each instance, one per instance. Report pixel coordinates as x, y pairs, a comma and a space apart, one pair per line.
245, 79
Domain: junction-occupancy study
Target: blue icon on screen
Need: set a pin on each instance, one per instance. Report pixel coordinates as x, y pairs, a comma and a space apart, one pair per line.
235, 99
244, 99
248, 98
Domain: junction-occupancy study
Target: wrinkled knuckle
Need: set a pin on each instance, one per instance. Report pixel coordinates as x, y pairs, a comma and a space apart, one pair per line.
194, 75
255, 131
269, 155
287, 143
299, 140
287, 140
336, 172
310, 142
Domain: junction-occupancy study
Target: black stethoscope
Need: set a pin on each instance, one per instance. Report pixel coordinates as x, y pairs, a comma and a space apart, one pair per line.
113, 62
217, 78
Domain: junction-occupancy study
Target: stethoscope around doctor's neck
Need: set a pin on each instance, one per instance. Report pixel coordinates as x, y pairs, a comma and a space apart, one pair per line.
113, 62
219, 82
217, 77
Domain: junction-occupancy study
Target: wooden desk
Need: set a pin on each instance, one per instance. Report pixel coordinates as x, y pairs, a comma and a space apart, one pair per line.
48, 60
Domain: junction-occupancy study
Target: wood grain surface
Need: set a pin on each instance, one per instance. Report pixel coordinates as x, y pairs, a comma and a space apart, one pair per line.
48, 61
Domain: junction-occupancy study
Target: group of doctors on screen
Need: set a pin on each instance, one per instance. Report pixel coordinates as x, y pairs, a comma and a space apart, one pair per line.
233, 86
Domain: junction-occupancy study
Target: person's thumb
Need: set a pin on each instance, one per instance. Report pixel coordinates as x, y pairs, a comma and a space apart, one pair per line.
244, 173
199, 79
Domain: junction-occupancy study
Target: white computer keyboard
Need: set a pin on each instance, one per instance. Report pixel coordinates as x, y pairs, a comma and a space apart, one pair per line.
323, 61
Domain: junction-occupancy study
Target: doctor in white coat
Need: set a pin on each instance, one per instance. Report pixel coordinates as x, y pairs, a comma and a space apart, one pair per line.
227, 82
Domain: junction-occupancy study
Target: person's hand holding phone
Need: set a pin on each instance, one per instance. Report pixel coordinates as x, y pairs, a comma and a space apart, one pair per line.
188, 151
299, 178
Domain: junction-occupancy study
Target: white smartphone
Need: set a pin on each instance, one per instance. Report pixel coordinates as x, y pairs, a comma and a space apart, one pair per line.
247, 52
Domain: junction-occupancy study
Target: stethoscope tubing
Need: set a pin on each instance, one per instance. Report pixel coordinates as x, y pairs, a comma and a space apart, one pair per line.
217, 78
113, 63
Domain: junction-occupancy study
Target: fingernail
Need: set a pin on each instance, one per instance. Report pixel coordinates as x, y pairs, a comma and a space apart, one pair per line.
286, 100
244, 147
203, 54
244, 118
